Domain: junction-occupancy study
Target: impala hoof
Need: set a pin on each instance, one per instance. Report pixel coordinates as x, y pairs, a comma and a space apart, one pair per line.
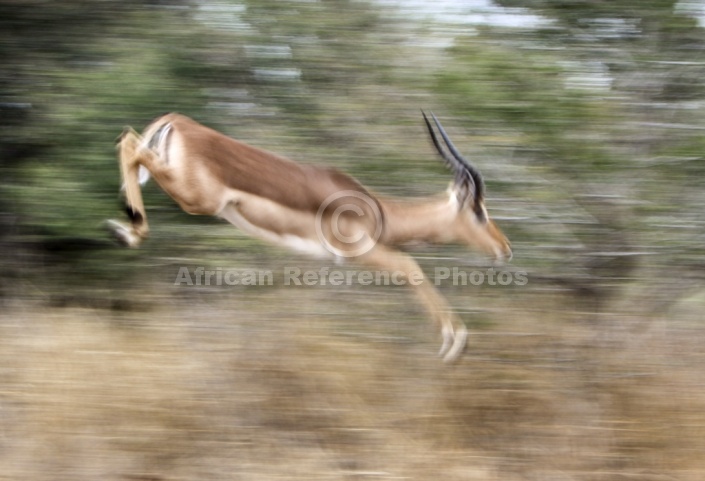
460, 339
122, 234
448, 340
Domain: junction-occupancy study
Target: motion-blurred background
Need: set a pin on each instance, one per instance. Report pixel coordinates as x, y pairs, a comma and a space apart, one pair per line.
587, 119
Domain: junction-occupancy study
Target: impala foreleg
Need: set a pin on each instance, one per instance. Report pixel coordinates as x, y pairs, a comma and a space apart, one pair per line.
131, 157
453, 331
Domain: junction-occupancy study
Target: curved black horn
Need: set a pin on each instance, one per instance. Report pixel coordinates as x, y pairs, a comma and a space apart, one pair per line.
463, 179
467, 166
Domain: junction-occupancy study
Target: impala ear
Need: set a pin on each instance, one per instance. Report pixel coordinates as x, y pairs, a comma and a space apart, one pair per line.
480, 211
469, 189
463, 192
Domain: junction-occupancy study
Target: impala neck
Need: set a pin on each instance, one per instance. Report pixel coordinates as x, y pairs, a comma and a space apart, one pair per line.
424, 220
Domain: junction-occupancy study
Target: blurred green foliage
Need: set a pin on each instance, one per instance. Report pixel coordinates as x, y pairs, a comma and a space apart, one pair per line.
589, 126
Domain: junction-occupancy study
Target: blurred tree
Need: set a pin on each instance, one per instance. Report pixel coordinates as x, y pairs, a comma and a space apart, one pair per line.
654, 38
600, 98
75, 72
601, 103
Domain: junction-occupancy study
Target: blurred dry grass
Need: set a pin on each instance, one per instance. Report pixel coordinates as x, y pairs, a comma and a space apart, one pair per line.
248, 387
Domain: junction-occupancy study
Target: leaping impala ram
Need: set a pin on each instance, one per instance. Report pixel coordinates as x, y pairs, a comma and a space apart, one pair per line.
309, 208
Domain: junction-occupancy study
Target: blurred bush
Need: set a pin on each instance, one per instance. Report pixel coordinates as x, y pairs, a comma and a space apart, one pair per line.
587, 122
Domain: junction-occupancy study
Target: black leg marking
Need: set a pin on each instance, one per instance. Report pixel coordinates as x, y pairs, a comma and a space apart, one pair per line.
135, 217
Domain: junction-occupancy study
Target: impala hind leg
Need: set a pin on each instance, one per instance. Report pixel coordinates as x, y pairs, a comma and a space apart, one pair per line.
131, 158
453, 331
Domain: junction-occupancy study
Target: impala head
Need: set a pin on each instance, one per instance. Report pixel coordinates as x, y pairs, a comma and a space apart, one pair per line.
472, 225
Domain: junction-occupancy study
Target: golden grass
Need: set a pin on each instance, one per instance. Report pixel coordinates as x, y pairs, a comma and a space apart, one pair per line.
251, 388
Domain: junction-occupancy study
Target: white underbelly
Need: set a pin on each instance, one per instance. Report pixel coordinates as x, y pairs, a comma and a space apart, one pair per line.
309, 246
